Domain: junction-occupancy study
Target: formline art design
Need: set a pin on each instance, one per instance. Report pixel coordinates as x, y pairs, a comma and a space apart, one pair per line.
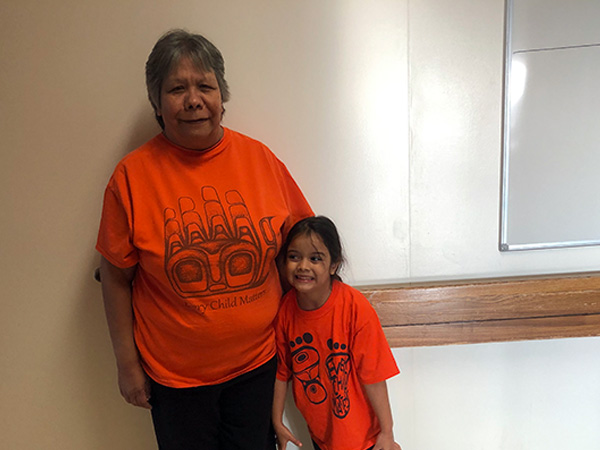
218, 250
305, 367
338, 370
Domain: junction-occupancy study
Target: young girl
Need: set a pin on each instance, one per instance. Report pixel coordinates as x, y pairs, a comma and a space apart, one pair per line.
331, 346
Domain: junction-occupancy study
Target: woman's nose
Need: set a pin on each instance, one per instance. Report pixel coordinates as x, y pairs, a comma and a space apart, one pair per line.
194, 100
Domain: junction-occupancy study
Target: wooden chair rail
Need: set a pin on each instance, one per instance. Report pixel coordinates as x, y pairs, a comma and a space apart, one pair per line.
490, 310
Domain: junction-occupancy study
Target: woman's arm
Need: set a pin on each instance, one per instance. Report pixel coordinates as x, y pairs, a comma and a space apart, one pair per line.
116, 291
378, 396
284, 435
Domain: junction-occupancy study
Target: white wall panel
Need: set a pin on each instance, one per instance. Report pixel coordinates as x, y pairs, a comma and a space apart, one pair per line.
329, 94
456, 119
518, 395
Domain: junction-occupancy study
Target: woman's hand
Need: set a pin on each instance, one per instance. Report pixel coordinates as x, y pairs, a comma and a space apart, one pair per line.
385, 441
116, 291
135, 386
284, 435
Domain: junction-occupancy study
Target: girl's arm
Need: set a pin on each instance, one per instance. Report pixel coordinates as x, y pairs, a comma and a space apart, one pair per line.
284, 435
378, 396
116, 291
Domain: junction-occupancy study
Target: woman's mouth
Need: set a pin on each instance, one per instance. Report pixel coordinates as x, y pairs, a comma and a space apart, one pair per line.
194, 121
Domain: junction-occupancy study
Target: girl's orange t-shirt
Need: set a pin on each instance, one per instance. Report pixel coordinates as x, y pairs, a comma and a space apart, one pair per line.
329, 354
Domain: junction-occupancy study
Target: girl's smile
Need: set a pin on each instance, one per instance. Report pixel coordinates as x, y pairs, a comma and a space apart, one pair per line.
309, 269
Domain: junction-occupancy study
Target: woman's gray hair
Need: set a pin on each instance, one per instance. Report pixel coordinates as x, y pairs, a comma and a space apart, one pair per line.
169, 50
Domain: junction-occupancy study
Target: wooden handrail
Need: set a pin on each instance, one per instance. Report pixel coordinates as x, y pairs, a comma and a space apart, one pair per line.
489, 310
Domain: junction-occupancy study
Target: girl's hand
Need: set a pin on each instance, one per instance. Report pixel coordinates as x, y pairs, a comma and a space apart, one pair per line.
385, 441
284, 435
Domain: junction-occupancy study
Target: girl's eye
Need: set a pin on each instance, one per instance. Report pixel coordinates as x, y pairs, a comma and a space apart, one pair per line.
292, 257
316, 258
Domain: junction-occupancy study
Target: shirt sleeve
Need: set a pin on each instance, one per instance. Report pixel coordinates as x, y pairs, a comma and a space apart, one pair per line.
372, 355
284, 362
115, 236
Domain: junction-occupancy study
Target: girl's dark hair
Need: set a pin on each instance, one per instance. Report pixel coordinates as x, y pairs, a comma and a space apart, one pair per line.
324, 228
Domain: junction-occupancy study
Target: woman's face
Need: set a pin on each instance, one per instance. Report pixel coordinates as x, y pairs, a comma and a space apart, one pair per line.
191, 107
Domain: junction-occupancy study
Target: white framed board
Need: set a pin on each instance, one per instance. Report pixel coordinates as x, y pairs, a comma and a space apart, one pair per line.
551, 135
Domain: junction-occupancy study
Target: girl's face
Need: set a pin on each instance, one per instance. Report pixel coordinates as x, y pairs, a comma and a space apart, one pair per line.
309, 269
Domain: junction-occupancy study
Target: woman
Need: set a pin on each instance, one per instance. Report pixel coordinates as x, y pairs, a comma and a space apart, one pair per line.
191, 225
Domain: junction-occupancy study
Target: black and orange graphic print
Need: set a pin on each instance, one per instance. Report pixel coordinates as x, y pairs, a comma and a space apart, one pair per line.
306, 360
217, 249
305, 367
338, 372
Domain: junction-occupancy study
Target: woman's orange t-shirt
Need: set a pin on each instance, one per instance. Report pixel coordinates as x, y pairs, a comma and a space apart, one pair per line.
203, 229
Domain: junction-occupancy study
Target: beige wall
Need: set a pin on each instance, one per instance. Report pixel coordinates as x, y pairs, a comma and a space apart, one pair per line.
67, 113
402, 98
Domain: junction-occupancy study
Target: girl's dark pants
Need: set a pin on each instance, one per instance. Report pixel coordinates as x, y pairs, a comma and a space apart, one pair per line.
319, 448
